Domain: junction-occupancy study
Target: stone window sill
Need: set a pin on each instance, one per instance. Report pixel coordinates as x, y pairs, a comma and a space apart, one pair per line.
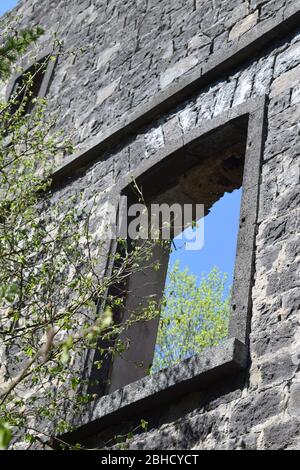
225, 360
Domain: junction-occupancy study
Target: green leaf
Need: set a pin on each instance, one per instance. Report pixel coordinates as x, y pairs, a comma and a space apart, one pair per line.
5, 435
144, 424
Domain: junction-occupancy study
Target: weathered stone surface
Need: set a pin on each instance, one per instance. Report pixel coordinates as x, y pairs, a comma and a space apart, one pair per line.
291, 302
270, 9
106, 92
244, 88
238, 12
295, 99
199, 41
131, 51
243, 26
294, 405
255, 410
280, 369
281, 435
154, 141
257, 3
177, 70
275, 338
287, 60
287, 80
224, 97
106, 55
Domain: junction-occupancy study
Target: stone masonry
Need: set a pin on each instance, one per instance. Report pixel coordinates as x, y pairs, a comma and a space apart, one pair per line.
135, 56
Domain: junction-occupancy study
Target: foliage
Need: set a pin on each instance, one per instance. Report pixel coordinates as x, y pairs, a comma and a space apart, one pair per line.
51, 278
194, 316
53, 282
5, 435
13, 45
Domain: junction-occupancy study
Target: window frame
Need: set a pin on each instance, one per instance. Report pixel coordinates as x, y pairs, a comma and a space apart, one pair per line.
27, 65
230, 358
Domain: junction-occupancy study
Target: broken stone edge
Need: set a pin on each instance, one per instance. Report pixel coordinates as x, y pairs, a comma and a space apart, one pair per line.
195, 374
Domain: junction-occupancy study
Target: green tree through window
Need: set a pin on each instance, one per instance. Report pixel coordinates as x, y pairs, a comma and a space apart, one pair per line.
194, 316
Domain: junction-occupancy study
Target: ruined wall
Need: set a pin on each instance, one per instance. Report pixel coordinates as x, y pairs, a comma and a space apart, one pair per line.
133, 50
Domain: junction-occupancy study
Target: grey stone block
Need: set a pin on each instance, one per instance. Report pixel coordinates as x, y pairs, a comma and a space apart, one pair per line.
255, 410
280, 436
294, 404
278, 370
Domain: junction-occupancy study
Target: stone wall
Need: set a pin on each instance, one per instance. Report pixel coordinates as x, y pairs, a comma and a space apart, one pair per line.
146, 43
131, 52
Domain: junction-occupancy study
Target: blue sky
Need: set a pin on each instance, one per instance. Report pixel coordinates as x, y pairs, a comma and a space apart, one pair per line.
6, 5
220, 240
